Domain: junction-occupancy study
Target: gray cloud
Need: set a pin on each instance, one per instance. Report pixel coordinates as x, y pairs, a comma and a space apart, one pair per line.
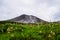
44, 9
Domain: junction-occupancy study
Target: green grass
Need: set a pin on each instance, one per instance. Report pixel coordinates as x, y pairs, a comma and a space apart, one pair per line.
20, 31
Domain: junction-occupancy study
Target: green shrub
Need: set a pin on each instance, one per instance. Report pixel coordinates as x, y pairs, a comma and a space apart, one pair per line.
16, 31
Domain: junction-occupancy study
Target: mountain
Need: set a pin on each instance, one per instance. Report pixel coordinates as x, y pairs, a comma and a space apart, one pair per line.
27, 19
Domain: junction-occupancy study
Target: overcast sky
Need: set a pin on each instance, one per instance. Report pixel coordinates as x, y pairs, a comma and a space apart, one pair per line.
48, 10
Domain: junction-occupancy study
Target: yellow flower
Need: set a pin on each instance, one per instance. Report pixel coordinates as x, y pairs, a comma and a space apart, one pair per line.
12, 35
11, 27
49, 35
8, 32
40, 31
2, 30
8, 29
53, 33
22, 30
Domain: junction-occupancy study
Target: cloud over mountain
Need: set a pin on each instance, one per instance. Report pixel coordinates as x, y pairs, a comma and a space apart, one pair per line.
44, 9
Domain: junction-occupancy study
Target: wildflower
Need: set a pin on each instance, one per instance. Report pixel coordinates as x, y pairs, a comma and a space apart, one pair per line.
49, 35
8, 32
2, 30
40, 31
8, 29
11, 27
53, 33
22, 30
12, 35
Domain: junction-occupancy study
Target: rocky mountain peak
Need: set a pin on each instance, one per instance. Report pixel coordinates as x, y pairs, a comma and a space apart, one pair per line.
27, 19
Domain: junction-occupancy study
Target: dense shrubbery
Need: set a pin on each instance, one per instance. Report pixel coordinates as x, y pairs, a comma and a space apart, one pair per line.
15, 31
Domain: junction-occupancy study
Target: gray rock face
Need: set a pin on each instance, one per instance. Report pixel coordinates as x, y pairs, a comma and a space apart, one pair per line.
27, 19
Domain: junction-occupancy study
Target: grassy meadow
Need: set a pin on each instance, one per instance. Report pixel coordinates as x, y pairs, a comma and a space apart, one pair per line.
22, 31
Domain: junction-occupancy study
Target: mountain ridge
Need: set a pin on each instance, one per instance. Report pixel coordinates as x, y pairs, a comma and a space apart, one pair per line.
27, 19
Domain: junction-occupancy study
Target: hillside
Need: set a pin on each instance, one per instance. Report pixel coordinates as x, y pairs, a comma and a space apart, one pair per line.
21, 31
26, 19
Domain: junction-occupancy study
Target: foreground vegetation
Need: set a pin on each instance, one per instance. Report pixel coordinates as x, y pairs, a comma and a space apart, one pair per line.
20, 31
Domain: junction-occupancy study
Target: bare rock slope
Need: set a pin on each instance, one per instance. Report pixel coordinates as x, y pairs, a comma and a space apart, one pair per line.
27, 19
